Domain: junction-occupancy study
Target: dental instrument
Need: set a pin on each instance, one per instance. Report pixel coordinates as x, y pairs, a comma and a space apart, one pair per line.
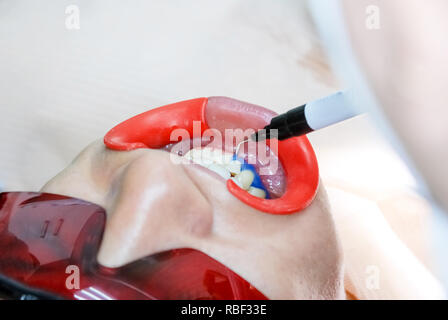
307, 118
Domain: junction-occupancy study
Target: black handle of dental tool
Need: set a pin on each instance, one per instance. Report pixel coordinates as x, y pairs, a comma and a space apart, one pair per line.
309, 117
290, 124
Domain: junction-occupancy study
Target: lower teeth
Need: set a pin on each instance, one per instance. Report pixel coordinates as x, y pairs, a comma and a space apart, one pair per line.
221, 163
257, 192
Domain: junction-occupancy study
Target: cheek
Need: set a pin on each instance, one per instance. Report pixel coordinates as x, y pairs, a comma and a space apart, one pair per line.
300, 252
230, 215
322, 248
315, 227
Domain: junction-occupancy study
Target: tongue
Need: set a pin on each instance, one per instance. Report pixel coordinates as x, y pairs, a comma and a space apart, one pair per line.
272, 179
224, 113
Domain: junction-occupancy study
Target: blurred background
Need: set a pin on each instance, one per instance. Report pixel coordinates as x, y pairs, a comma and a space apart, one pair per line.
62, 88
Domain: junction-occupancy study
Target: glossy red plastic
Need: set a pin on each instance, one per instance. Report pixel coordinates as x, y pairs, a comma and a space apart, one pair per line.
302, 179
45, 237
152, 130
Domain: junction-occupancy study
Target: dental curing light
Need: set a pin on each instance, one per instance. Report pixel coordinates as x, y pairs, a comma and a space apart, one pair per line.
309, 117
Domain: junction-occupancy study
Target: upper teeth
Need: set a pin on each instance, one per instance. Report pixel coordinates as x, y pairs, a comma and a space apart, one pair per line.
222, 171
223, 164
216, 160
245, 179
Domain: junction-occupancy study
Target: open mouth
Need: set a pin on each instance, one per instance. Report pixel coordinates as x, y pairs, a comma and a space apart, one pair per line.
255, 167
285, 174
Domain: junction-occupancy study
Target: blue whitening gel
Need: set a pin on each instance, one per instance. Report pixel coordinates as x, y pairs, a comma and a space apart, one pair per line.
257, 180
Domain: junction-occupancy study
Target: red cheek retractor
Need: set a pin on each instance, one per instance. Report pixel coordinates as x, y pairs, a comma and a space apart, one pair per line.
152, 129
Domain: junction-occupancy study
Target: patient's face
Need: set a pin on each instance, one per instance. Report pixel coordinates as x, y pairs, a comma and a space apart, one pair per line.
154, 205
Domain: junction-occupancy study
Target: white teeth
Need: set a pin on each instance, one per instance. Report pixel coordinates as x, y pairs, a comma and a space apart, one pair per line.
207, 156
245, 178
200, 156
260, 193
234, 166
223, 164
221, 157
215, 160
223, 172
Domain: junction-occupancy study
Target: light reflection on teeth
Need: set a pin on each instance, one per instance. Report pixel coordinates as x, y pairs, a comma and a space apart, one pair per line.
223, 164
245, 178
215, 160
257, 192
223, 172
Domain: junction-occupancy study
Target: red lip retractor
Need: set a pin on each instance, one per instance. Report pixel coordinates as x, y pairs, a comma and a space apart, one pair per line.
50, 243
152, 129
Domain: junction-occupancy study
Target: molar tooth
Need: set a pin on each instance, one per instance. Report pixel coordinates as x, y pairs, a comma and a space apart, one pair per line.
259, 193
245, 177
223, 172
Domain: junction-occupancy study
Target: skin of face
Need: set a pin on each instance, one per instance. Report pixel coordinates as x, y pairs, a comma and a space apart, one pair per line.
155, 205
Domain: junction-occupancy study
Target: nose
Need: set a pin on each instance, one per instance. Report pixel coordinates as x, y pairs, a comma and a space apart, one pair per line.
154, 207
